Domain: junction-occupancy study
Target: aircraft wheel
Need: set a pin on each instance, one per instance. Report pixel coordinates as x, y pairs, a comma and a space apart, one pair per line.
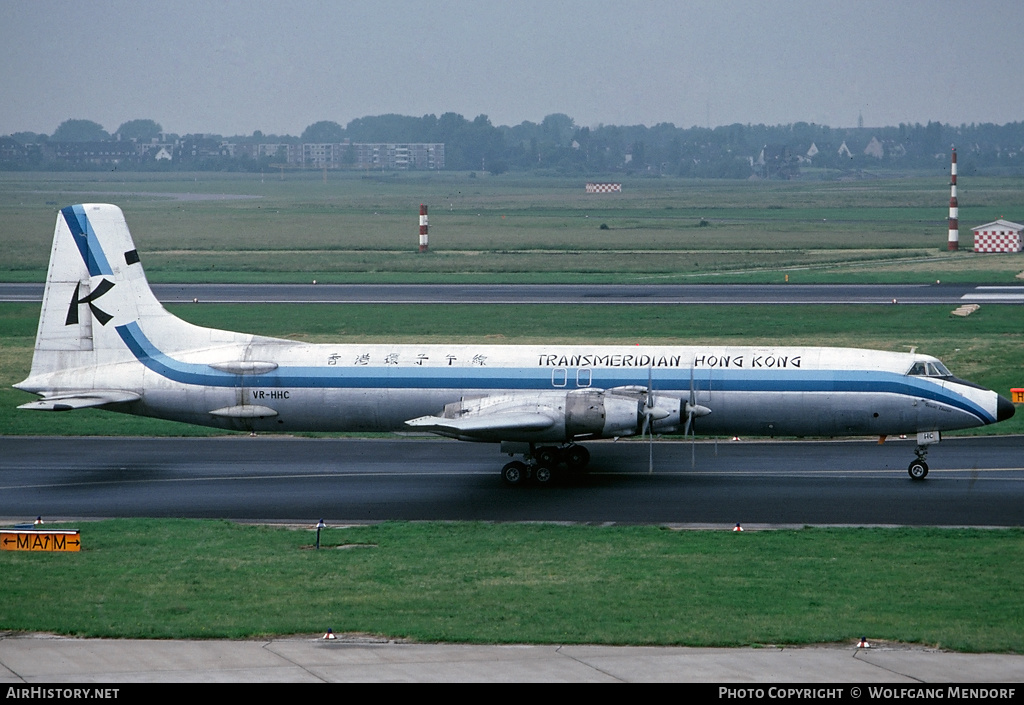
514, 473
918, 470
547, 456
543, 475
577, 457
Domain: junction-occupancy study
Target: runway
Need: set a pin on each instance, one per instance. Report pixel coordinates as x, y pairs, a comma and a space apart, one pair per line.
973, 482
622, 294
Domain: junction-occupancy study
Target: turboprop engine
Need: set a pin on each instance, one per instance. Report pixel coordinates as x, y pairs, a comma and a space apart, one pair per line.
557, 416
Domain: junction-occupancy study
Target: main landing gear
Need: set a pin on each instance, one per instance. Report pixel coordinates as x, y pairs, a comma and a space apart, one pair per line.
918, 469
541, 464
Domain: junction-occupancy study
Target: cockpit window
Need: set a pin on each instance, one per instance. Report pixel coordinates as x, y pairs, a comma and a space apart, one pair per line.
929, 369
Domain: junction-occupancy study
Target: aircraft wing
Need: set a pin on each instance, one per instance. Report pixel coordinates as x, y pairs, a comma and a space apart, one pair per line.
80, 400
484, 424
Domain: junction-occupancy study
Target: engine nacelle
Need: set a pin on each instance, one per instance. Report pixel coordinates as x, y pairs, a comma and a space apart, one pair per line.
580, 413
602, 415
625, 412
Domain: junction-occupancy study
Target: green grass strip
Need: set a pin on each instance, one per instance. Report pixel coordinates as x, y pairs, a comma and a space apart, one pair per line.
513, 583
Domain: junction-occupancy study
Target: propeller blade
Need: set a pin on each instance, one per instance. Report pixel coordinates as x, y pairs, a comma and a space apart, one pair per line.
689, 422
648, 412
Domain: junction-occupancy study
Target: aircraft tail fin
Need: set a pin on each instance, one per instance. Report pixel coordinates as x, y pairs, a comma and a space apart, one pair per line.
97, 303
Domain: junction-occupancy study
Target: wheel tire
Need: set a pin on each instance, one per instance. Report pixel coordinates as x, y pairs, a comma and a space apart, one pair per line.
547, 456
514, 473
543, 475
577, 457
918, 470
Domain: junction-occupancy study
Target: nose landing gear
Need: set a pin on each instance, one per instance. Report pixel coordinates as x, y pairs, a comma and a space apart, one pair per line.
918, 469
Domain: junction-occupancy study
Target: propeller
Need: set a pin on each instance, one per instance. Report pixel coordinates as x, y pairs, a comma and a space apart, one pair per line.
651, 413
692, 410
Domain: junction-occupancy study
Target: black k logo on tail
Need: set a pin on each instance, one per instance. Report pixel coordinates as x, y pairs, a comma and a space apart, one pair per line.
101, 315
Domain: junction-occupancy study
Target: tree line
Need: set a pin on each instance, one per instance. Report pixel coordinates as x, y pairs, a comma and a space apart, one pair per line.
557, 145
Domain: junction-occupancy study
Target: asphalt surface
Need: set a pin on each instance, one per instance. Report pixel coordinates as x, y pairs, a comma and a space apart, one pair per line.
40, 659
645, 294
972, 482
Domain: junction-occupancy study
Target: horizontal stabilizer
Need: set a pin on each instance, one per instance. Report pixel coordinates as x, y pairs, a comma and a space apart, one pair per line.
80, 400
486, 423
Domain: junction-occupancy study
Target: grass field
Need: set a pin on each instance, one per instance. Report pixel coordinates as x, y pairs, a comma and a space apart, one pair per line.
242, 227
514, 583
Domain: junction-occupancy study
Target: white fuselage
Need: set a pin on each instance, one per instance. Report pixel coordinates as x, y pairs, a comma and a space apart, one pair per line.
280, 385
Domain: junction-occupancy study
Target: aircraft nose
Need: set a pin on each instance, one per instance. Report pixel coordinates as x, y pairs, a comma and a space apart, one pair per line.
1005, 409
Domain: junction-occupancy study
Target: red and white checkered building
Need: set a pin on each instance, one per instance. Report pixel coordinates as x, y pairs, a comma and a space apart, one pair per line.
999, 236
597, 187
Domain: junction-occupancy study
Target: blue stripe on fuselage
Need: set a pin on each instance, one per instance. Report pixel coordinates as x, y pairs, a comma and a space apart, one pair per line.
539, 379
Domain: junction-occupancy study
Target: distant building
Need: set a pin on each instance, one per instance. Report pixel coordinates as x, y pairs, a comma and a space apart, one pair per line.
881, 149
395, 156
97, 153
326, 155
999, 236
281, 151
874, 149
778, 162
354, 155
12, 150
197, 148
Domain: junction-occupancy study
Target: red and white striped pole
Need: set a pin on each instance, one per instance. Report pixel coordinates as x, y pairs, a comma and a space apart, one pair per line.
954, 210
423, 228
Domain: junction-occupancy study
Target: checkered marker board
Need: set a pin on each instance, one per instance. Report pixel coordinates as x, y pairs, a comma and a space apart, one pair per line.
997, 242
604, 188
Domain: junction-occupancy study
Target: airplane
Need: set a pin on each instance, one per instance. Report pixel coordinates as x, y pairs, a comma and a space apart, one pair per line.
105, 341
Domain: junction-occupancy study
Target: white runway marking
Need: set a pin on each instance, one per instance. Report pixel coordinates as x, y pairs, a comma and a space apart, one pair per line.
996, 294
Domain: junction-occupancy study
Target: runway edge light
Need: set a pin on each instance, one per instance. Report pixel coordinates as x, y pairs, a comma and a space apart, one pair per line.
329, 635
737, 527
863, 644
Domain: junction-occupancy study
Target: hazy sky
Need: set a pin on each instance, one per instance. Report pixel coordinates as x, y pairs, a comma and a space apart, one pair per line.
232, 67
